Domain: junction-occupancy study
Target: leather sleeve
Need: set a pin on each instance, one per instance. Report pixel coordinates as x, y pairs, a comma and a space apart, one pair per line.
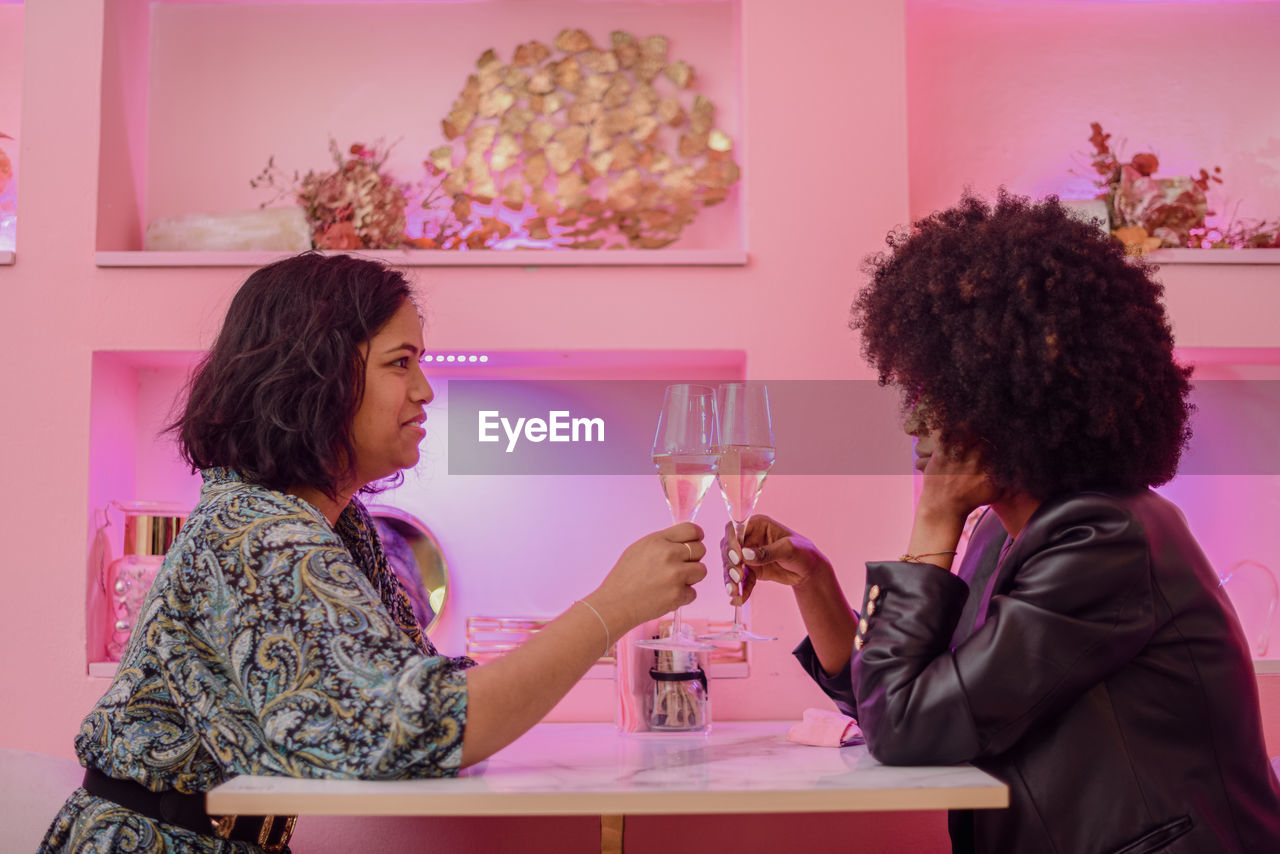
838, 687
1073, 603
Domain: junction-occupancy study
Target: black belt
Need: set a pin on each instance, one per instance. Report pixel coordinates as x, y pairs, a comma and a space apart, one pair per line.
188, 811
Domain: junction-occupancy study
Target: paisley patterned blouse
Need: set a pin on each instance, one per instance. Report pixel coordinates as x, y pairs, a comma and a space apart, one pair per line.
270, 643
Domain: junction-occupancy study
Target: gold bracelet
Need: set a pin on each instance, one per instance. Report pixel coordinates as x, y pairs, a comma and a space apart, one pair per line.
910, 558
608, 641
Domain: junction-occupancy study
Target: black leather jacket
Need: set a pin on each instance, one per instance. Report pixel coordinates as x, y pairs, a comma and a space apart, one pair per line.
1093, 665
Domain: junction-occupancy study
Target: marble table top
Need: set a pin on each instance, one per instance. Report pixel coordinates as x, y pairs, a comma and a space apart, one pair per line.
591, 769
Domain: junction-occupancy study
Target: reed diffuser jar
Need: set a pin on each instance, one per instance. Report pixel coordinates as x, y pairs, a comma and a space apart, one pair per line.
149, 530
679, 701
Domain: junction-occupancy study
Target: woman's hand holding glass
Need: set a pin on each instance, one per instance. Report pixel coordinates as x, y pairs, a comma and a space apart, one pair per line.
768, 551
654, 576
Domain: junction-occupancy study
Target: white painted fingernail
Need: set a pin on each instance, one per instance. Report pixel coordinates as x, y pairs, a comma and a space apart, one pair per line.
733, 557
735, 575
749, 554
731, 589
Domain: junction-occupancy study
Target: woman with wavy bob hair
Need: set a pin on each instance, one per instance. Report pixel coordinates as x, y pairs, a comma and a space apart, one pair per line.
276, 638
276, 396
1082, 650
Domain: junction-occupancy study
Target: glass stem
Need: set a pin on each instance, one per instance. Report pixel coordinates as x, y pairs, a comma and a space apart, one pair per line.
738, 529
675, 615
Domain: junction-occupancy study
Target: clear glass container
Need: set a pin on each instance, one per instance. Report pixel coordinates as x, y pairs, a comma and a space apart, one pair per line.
149, 530
678, 701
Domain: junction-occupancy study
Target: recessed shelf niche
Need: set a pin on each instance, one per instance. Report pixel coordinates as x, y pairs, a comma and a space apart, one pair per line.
183, 130
492, 529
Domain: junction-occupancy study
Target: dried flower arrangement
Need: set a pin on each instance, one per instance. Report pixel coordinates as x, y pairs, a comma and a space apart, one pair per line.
581, 147
356, 206
1149, 213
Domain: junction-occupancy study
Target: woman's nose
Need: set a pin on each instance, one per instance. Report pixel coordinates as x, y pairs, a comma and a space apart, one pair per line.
421, 388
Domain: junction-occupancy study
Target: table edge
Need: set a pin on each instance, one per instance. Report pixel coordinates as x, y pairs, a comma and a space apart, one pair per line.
222, 801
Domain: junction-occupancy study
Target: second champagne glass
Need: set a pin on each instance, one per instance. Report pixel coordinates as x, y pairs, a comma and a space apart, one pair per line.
746, 456
685, 455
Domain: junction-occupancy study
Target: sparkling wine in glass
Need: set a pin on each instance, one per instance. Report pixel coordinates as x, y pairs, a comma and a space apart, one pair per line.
746, 456
685, 479
685, 454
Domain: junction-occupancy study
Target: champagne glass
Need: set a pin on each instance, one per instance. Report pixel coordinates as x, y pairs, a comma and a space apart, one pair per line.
746, 456
685, 454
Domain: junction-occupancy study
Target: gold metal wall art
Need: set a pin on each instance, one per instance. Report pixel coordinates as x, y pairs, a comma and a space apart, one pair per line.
577, 145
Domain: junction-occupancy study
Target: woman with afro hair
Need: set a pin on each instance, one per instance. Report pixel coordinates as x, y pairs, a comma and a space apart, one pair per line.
1082, 650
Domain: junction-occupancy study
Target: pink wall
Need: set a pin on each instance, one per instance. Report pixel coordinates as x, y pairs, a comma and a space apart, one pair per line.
1003, 91
10, 107
275, 100
122, 149
10, 70
867, 833
59, 309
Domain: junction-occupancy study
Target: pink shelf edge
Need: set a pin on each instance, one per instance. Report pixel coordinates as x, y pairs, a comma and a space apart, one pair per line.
107, 669
1227, 355
716, 670
601, 258
430, 258
8, 257
1215, 256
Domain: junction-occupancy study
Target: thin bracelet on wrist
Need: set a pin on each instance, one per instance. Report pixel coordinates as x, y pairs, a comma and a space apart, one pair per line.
608, 640
910, 558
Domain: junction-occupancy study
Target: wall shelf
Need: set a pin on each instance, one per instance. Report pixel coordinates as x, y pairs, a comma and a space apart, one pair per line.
163, 113
103, 669
607, 670
7, 258
107, 669
432, 258
1214, 256
132, 395
1269, 356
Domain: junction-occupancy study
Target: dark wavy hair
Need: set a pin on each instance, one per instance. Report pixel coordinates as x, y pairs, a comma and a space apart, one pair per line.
275, 397
1029, 335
